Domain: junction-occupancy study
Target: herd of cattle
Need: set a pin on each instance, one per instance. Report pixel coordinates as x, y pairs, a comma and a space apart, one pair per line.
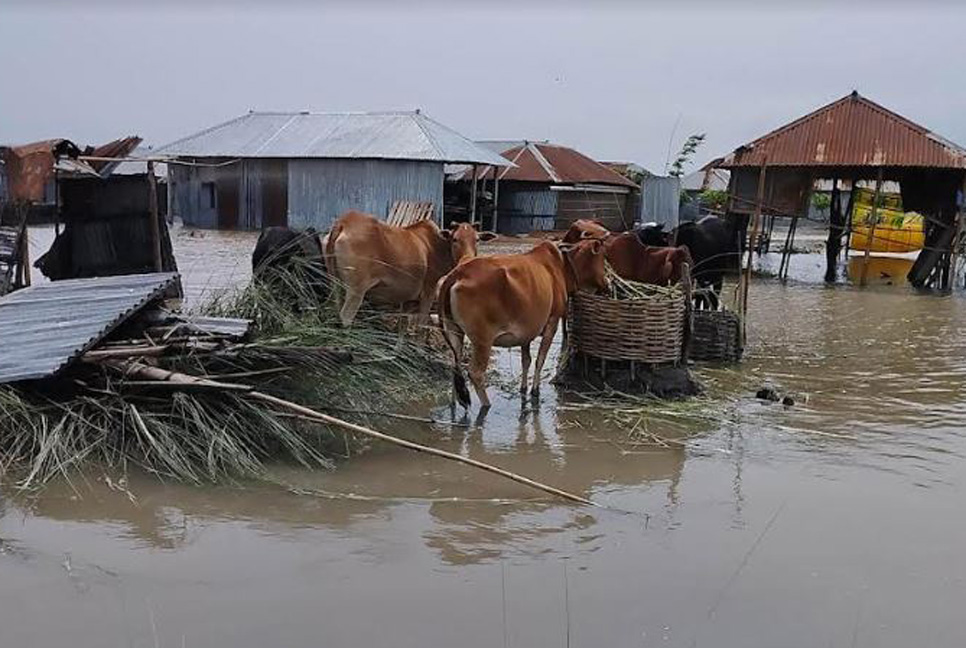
500, 300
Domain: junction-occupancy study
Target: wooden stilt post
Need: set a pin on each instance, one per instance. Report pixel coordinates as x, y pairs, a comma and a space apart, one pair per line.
496, 198
25, 256
833, 243
874, 217
787, 250
473, 198
56, 201
752, 243
848, 219
155, 227
954, 245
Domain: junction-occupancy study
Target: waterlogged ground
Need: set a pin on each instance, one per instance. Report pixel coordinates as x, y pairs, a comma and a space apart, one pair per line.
840, 521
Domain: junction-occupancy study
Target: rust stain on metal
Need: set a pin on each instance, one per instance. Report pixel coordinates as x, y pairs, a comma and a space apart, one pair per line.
852, 131
30, 166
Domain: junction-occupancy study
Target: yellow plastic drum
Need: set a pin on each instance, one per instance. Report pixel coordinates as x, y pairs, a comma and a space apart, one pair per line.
895, 231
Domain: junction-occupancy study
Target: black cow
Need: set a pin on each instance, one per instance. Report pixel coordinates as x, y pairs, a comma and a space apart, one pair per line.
714, 246
284, 251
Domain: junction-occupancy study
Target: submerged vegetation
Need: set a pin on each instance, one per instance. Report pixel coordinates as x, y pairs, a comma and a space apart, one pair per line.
297, 350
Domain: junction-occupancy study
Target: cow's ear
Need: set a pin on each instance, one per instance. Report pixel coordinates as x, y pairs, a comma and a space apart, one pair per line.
597, 246
446, 234
486, 236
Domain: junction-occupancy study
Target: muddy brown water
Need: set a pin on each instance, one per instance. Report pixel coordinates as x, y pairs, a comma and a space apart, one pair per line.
836, 522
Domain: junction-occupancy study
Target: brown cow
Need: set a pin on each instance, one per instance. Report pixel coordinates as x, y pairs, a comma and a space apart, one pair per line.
585, 228
630, 258
509, 300
391, 265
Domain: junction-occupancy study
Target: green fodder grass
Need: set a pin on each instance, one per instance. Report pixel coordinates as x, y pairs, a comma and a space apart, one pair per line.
298, 351
650, 420
201, 437
291, 316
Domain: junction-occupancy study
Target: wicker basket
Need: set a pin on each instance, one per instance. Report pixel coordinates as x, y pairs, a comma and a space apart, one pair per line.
716, 336
643, 330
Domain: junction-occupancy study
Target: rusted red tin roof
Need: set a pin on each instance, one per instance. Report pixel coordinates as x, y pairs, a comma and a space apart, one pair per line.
553, 164
850, 132
28, 167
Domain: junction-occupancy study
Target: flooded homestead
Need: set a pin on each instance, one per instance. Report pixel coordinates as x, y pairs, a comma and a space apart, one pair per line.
839, 521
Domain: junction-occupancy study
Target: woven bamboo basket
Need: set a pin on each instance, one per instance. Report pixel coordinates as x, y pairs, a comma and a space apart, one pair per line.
716, 336
643, 330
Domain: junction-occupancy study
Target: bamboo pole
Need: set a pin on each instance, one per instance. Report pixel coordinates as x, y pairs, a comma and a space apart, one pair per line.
158, 375
154, 225
752, 243
874, 217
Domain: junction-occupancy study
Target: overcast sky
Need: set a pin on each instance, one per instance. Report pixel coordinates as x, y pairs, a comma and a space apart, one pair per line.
614, 81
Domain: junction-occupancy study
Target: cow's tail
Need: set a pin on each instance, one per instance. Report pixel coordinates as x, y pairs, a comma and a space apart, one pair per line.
446, 318
328, 254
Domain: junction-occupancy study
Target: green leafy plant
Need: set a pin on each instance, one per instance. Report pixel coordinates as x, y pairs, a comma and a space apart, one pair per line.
691, 145
714, 198
821, 201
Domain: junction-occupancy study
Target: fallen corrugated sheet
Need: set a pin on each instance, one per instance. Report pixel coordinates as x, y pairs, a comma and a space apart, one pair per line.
387, 136
850, 132
45, 327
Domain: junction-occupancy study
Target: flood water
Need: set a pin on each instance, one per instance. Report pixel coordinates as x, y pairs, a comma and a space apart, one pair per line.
840, 521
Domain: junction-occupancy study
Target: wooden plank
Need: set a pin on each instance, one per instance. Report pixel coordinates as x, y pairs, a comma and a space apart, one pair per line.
404, 213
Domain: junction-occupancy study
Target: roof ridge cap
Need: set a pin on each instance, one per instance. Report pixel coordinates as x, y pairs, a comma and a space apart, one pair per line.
418, 117
206, 131
543, 162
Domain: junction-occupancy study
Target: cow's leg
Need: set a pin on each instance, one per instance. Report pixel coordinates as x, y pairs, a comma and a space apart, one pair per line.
478, 364
353, 300
422, 317
454, 337
549, 331
564, 359
525, 357
716, 293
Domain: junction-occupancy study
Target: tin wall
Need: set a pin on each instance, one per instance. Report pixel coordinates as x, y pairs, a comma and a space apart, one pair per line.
319, 191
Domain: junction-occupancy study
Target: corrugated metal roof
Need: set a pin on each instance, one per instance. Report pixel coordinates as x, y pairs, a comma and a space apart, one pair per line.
136, 163
551, 163
119, 148
44, 327
850, 132
390, 136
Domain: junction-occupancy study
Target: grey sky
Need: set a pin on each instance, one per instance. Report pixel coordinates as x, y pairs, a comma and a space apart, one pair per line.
612, 81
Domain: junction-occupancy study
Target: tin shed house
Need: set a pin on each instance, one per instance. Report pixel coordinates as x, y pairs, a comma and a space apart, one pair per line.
305, 169
550, 186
